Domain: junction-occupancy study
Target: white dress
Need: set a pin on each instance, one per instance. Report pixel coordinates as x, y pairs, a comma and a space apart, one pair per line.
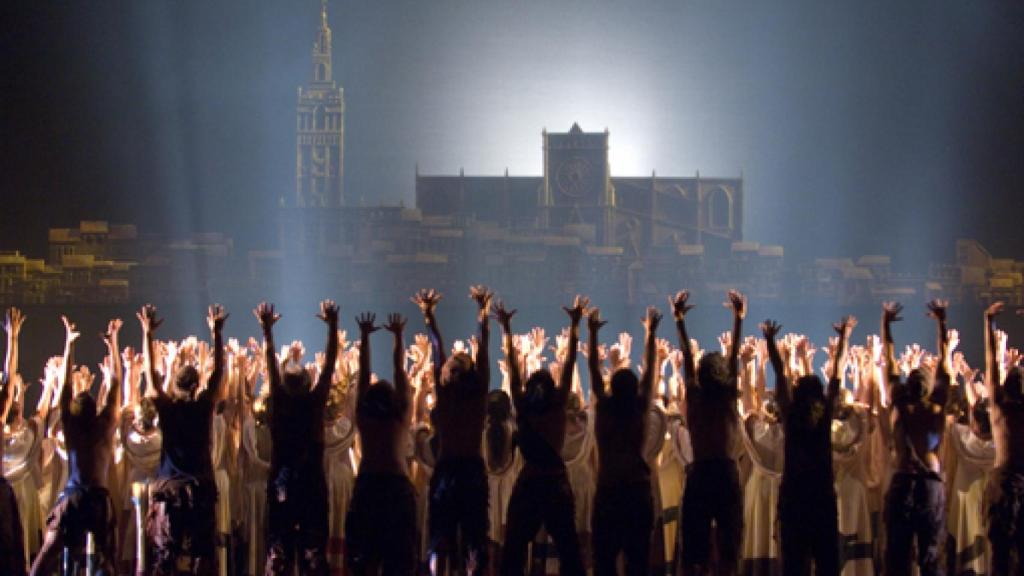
764, 444
142, 458
500, 481
219, 455
54, 472
676, 455
974, 459
21, 469
339, 436
424, 457
654, 441
849, 460
578, 454
256, 444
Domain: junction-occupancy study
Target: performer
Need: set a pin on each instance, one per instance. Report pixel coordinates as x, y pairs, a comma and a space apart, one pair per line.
623, 505
713, 492
85, 505
458, 485
541, 495
181, 521
1005, 491
12, 545
915, 506
297, 489
380, 530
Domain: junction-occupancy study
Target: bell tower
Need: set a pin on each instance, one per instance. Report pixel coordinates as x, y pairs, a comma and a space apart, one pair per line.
320, 130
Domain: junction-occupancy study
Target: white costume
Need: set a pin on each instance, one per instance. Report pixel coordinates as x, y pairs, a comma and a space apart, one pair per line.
339, 436
654, 441
501, 477
21, 469
142, 458
675, 456
974, 458
850, 439
578, 454
764, 443
256, 444
219, 455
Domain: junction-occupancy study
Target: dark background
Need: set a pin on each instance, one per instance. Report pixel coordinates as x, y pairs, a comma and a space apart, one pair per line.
861, 127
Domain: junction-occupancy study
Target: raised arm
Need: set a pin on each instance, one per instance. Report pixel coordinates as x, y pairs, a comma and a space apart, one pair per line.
680, 306
569, 367
944, 366
844, 328
770, 329
366, 327
215, 318
483, 297
515, 377
13, 320
329, 314
112, 403
427, 300
396, 325
890, 313
267, 317
66, 392
594, 324
738, 304
149, 323
992, 382
651, 365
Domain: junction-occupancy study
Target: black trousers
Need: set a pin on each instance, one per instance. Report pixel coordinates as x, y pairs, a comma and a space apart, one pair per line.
809, 529
623, 520
538, 500
915, 508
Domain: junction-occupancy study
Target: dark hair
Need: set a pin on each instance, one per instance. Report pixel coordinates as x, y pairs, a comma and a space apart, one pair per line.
379, 400
83, 404
919, 383
295, 380
982, 422
186, 379
540, 388
459, 371
499, 410
624, 383
714, 377
1013, 384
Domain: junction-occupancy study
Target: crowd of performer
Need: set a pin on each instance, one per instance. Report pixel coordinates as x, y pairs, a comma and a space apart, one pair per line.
226, 458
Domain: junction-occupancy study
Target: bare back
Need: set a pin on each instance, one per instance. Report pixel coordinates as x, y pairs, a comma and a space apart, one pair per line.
713, 422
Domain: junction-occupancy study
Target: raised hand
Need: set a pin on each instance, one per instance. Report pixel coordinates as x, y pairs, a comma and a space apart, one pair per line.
328, 312
738, 303
651, 319
395, 324
13, 320
70, 332
576, 312
937, 309
427, 300
148, 319
770, 329
995, 309
503, 315
845, 326
215, 317
680, 304
594, 322
891, 312
482, 295
113, 327
266, 315
366, 323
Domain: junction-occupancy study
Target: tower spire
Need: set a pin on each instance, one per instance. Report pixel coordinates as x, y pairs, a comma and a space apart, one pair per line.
322, 49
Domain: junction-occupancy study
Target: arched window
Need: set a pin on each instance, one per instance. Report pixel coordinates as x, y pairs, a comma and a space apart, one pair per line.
719, 209
321, 72
319, 118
